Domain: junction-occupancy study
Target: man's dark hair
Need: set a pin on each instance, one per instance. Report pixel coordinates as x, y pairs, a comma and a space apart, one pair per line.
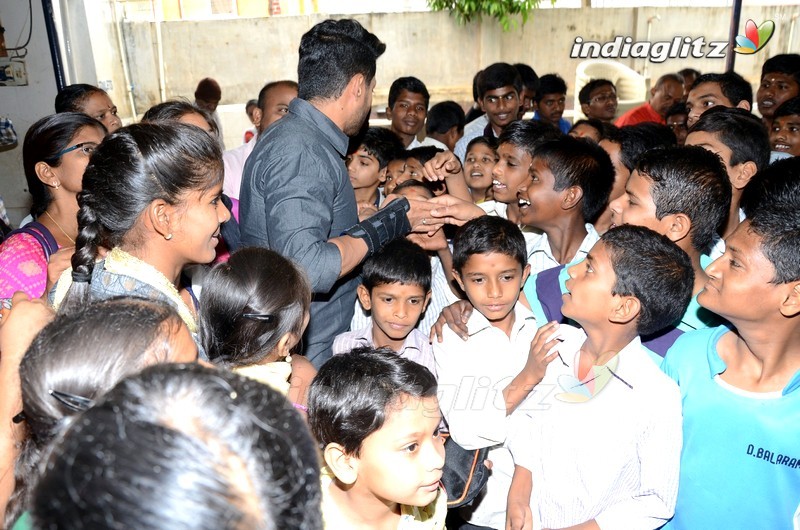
498, 75
689, 72
262, 94
331, 54
528, 135
381, 143
740, 131
488, 234
637, 139
790, 107
583, 163
410, 84
584, 96
690, 180
784, 63
352, 394
775, 187
655, 270
411, 183
550, 84
528, 76
444, 116
400, 261
733, 86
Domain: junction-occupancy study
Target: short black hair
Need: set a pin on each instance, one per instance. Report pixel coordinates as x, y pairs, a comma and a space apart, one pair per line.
550, 84
411, 183
331, 54
381, 143
584, 95
637, 139
689, 72
790, 107
174, 109
497, 76
71, 98
676, 110
488, 141
488, 234
776, 186
743, 133
528, 135
690, 180
400, 261
655, 270
778, 226
262, 94
444, 116
528, 75
410, 84
423, 153
594, 123
583, 163
351, 395
784, 63
733, 86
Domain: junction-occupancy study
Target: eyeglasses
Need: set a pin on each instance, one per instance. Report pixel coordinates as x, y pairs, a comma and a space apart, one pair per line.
87, 148
602, 99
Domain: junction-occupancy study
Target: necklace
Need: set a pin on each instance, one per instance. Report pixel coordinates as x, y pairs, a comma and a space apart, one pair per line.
59, 226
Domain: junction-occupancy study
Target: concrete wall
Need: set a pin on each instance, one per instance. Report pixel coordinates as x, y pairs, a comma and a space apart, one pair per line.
24, 105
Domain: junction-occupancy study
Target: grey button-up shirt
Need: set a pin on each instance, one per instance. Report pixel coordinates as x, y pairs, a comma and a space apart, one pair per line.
295, 196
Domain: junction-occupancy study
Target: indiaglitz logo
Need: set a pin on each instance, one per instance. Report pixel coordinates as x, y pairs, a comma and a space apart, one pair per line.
754, 38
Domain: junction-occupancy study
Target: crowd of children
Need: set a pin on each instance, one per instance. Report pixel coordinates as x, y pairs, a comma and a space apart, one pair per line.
610, 313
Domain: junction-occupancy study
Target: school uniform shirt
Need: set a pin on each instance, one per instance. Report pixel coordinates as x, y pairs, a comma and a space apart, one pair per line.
541, 255
233, 160
472, 376
417, 346
605, 447
426, 142
740, 466
500, 209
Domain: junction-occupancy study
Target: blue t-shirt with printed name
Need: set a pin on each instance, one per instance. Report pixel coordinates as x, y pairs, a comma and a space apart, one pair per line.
740, 464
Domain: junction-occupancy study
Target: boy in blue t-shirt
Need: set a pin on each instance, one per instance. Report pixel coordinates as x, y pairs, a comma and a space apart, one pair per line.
740, 384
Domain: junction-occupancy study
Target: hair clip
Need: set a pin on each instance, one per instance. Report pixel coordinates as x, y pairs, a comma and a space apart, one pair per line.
71, 401
262, 317
19, 418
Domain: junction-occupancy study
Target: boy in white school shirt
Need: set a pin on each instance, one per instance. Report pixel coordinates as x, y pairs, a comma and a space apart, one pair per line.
597, 443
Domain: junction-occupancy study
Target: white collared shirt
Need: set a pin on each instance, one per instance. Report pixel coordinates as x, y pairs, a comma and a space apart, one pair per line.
472, 376
613, 458
540, 255
233, 161
416, 347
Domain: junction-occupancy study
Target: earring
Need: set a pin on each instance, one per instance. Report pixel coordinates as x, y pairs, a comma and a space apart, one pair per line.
168, 237
56, 185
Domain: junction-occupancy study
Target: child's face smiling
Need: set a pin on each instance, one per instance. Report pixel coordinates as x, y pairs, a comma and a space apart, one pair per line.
539, 202
363, 169
401, 463
396, 309
636, 206
197, 235
510, 172
501, 106
478, 167
492, 282
784, 135
739, 284
588, 299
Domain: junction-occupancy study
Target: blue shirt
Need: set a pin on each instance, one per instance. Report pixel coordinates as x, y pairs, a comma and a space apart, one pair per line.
563, 124
295, 196
740, 464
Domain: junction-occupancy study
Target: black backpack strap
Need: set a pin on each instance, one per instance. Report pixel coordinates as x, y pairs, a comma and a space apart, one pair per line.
41, 234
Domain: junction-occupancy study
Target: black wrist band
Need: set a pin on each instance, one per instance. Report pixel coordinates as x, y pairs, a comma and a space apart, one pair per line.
389, 223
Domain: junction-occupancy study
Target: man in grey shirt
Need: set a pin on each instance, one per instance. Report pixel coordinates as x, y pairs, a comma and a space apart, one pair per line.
296, 197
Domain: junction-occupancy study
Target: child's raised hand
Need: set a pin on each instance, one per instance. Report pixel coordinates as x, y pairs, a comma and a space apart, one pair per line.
441, 166
19, 324
544, 350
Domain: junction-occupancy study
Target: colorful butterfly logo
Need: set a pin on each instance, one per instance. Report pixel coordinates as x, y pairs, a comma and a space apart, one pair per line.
754, 38
581, 391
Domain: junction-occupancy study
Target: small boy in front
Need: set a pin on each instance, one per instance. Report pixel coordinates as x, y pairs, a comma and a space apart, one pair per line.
490, 265
597, 443
368, 164
740, 383
396, 289
376, 418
